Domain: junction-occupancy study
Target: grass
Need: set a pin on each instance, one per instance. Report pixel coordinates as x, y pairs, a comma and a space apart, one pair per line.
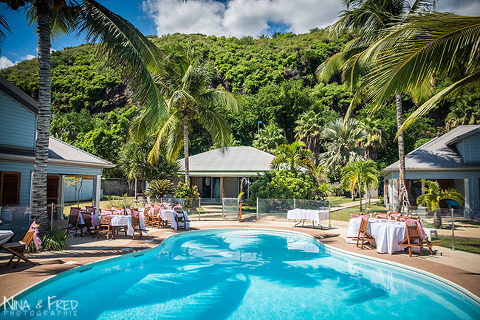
335, 201
111, 201
464, 244
344, 214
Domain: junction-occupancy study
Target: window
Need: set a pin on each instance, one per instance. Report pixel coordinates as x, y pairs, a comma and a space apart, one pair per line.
9, 188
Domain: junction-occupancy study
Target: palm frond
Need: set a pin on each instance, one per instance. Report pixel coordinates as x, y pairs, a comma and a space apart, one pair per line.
215, 124
4, 27
172, 133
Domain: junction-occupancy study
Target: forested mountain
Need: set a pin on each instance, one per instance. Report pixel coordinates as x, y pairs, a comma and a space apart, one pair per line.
272, 77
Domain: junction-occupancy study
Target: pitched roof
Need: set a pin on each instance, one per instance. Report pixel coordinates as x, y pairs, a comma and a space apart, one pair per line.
231, 161
440, 152
60, 150
18, 95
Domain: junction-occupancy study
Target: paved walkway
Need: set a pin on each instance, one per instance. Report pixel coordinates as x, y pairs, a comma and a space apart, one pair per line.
460, 267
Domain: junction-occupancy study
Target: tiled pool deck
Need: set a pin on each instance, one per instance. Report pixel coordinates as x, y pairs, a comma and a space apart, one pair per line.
459, 267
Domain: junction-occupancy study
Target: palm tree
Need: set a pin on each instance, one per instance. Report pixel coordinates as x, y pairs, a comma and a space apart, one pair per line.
186, 86
373, 139
434, 194
292, 157
125, 45
359, 175
269, 138
308, 129
423, 47
370, 20
343, 143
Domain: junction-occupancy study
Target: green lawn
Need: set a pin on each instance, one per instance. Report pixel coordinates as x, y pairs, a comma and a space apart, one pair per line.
465, 244
344, 214
335, 201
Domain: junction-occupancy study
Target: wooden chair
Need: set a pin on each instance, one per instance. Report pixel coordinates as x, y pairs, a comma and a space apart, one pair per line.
363, 236
380, 215
394, 215
87, 218
156, 220
180, 218
414, 237
104, 226
146, 215
73, 224
136, 223
18, 248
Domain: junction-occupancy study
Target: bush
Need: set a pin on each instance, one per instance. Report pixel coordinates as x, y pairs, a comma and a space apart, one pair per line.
55, 241
159, 188
286, 185
185, 191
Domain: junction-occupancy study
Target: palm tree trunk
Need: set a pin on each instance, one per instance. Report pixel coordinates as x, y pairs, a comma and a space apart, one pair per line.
360, 193
185, 148
401, 152
39, 189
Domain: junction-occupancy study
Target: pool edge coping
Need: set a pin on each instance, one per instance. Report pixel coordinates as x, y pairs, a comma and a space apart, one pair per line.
458, 288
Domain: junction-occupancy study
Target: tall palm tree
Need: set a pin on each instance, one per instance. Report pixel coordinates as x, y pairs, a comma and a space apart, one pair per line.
359, 175
369, 19
125, 45
308, 129
423, 47
292, 157
186, 86
343, 143
373, 139
432, 197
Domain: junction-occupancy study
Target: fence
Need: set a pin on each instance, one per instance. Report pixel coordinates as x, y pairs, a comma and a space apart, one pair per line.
278, 208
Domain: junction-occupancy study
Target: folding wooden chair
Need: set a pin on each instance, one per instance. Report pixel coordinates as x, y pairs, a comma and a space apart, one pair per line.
363, 236
414, 237
104, 226
87, 218
73, 224
180, 218
18, 248
156, 220
146, 214
136, 223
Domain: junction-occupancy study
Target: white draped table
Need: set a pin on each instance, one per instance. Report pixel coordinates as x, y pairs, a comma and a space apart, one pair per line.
126, 221
387, 233
304, 214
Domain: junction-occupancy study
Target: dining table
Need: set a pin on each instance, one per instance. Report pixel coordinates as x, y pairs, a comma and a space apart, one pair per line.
5, 235
306, 214
387, 233
126, 221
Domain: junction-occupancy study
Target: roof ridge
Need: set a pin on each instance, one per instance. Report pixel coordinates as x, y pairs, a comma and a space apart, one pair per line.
81, 150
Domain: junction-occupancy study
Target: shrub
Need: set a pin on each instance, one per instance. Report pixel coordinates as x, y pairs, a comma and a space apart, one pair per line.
185, 191
159, 188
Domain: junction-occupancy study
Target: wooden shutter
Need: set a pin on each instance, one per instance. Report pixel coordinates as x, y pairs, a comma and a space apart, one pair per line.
10, 188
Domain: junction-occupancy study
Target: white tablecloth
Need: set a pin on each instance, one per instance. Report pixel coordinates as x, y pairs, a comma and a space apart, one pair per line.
125, 221
303, 214
387, 233
170, 216
5, 235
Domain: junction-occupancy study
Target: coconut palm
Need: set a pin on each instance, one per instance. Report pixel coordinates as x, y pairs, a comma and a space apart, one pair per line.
369, 19
431, 45
126, 46
269, 138
308, 129
359, 175
186, 86
342, 142
292, 157
432, 197
373, 139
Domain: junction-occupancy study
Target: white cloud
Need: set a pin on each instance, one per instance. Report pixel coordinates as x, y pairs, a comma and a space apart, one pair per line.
462, 7
29, 57
5, 62
240, 17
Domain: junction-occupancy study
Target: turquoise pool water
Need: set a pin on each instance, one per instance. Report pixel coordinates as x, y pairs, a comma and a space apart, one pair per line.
242, 274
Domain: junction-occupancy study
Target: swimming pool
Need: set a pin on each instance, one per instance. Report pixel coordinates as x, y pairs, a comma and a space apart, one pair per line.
242, 274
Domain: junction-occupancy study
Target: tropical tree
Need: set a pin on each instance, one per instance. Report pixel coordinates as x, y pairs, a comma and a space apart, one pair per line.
343, 143
359, 175
126, 46
159, 188
292, 157
421, 48
269, 138
186, 86
373, 139
369, 19
308, 129
432, 197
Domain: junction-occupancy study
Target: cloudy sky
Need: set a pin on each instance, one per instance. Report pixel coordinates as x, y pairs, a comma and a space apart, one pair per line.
211, 17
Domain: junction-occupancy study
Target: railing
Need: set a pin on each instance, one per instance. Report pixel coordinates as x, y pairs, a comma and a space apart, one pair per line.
278, 208
230, 208
15, 218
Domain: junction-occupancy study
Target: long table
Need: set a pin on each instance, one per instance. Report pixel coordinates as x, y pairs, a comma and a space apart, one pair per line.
387, 233
305, 214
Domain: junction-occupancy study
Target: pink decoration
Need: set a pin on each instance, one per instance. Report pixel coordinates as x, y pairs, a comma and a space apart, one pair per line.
36, 240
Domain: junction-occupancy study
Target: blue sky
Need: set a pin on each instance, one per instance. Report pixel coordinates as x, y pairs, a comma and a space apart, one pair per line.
212, 17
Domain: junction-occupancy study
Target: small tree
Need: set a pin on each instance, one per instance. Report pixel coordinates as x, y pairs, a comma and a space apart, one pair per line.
159, 188
359, 175
77, 183
432, 197
187, 192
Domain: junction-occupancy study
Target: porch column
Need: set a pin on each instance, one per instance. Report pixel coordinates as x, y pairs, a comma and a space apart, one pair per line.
97, 186
61, 198
222, 190
466, 204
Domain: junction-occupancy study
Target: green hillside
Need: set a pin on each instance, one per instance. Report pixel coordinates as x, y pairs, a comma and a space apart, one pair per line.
273, 79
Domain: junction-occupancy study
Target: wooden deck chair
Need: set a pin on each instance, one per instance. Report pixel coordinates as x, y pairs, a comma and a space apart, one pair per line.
87, 218
414, 237
104, 226
180, 217
136, 223
156, 220
73, 224
363, 236
146, 214
18, 248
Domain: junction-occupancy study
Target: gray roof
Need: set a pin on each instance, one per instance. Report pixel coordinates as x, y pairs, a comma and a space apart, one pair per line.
18, 95
231, 161
67, 153
439, 153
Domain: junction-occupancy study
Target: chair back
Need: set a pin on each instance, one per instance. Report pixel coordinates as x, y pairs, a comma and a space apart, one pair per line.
381, 215
105, 219
135, 217
73, 217
363, 225
28, 237
412, 229
87, 217
394, 216
156, 209
105, 212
